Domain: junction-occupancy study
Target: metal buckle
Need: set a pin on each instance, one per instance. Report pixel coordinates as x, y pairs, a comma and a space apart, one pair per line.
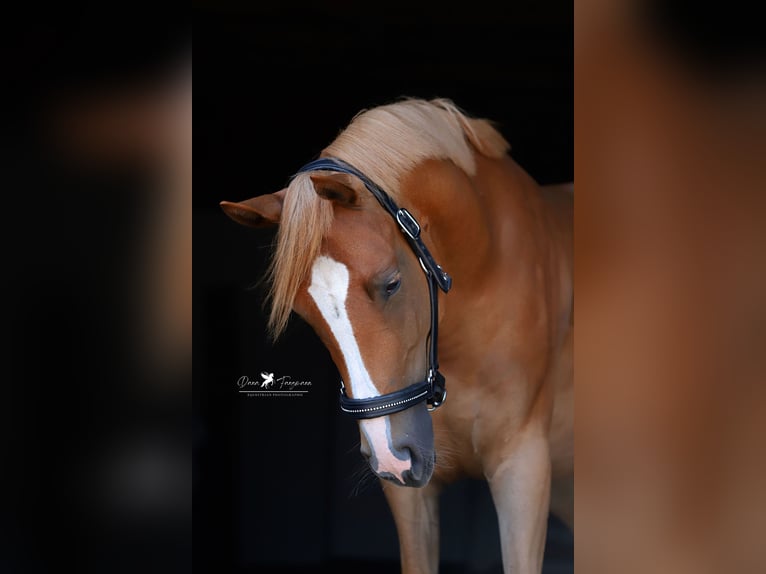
430, 378
436, 404
407, 223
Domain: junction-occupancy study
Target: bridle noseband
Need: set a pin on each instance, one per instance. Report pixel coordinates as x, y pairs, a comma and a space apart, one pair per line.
433, 389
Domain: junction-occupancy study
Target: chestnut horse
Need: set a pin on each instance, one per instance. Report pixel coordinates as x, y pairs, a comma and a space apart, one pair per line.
348, 265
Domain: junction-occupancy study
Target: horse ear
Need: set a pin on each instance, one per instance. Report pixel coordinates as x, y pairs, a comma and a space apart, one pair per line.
260, 211
339, 187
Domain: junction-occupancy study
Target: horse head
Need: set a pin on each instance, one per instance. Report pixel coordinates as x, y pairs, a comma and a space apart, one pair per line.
343, 265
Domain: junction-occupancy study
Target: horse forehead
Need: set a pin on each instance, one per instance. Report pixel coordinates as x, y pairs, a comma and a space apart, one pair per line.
364, 244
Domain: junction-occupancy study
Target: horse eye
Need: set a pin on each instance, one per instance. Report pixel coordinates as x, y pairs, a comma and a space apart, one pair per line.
393, 286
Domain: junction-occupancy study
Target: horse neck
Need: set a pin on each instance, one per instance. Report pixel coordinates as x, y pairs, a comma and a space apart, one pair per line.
486, 231
473, 224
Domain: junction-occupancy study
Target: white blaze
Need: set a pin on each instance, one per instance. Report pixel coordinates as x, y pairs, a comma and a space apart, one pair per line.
329, 289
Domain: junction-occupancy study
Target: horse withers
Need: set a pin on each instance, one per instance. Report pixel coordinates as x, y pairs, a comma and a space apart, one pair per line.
493, 318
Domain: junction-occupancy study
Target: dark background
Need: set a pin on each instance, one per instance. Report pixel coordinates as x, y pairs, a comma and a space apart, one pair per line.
278, 482
95, 443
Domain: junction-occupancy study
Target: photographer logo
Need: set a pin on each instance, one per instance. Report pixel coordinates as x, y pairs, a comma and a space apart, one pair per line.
271, 386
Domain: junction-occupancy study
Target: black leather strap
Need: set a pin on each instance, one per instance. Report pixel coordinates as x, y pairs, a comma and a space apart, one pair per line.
433, 389
384, 404
407, 223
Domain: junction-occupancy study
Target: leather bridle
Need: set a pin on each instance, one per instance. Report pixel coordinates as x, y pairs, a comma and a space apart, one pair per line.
432, 389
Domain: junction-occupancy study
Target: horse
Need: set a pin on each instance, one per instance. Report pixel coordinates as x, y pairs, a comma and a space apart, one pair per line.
406, 185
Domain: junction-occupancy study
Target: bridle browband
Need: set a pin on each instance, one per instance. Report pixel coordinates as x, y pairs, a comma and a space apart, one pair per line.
433, 389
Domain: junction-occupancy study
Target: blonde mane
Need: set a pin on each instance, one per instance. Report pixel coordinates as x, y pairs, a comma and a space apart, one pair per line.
385, 143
